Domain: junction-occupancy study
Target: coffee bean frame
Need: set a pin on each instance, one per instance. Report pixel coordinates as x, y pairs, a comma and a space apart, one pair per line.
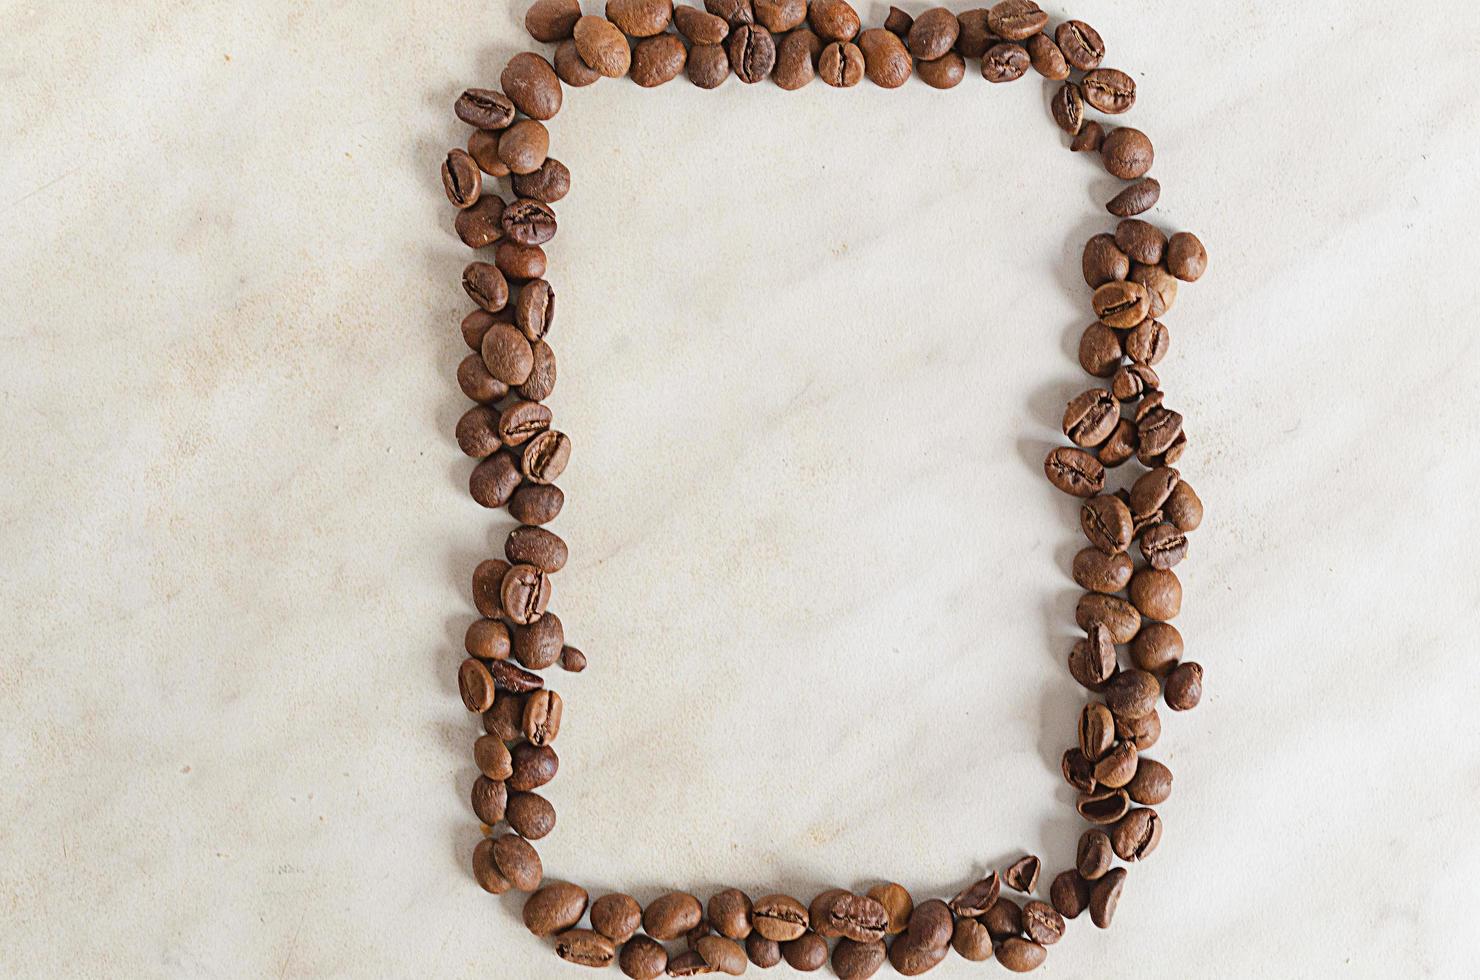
1130, 657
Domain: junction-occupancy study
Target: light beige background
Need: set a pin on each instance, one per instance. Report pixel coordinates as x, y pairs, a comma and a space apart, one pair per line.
813, 347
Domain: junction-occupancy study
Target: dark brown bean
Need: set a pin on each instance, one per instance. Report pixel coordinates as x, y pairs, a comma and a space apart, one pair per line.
897, 903
475, 381
1069, 894
972, 941
805, 953
656, 60
1132, 693
545, 457
483, 147
764, 953
616, 916
531, 84
461, 178
752, 53
700, 27
1068, 108
975, 899
1096, 571
670, 916
1136, 199
886, 63
1184, 686
1152, 783
1042, 923
492, 758
779, 917
528, 222
780, 16
708, 65
551, 181
486, 286
1082, 46
507, 355
1005, 63
1016, 20
524, 146
571, 68
975, 36
834, 20
542, 713
1187, 259
640, 18
550, 21
734, 12
489, 798
795, 57
1127, 153
1104, 262
853, 961
1106, 521
554, 908
602, 46
1003, 919
1046, 58
1022, 875
518, 862
482, 224
586, 948
1021, 955
933, 34
1109, 90
534, 765
1090, 139
475, 684
494, 480
944, 72
484, 108
841, 64
477, 432
1105, 897
643, 959
522, 421
898, 23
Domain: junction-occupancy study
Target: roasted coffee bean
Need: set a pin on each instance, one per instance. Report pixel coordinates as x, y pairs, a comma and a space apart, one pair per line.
975, 36
1022, 875
1068, 108
930, 925
898, 23
551, 181
528, 222
726, 956
1003, 919
477, 324
1042, 924
1121, 305
643, 959
1105, 897
1081, 44
1090, 417
1096, 731
475, 684
488, 580
536, 504
545, 457
841, 64
857, 917
524, 146
700, 27
1075, 472
475, 381
897, 903
550, 21
541, 380
554, 908
616, 916
640, 18
853, 961
461, 179
1090, 138
1107, 523
1135, 199
1005, 63
572, 660
1140, 732
1157, 593
1184, 686
1117, 766
1046, 58
834, 20
542, 714
1127, 153
1095, 571
602, 46
517, 861
1151, 492
1078, 770
504, 719
585, 948
522, 421
689, 964
536, 546
485, 872
1092, 660
729, 913
975, 899
1147, 343
525, 593
1109, 90
911, 959
1140, 240
972, 941
1100, 352
1132, 381
1161, 287
817, 912
1152, 783
1095, 855
932, 34
1132, 693
764, 953
477, 432
1069, 894
1103, 806
780, 16
1104, 262
1137, 834
670, 916
1157, 648
692, 937
805, 954
492, 758
509, 677
734, 12
481, 225
1158, 429
779, 917
531, 84
885, 60
1021, 955
1016, 20
1183, 508
506, 354
752, 53
571, 68
795, 57
1187, 259
494, 480
944, 72
484, 108
486, 286
483, 148
534, 765
534, 310
656, 60
708, 66
1121, 446
490, 798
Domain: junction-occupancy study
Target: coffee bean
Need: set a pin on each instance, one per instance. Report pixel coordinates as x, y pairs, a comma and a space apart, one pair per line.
1003, 919
554, 908
492, 758
536, 546
572, 660
1105, 896
897, 903
485, 872
524, 146
1082, 46
486, 286
504, 719
1141, 241
461, 179
550, 21
1068, 108
1127, 153
602, 46
643, 959
700, 27
528, 222
536, 504
1104, 262
494, 480
551, 180
1135, 199
488, 578
1132, 693
1069, 894
911, 959
709, 65
972, 941
1096, 731
525, 593
640, 18
1109, 90
975, 36
933, 33
1046, 58
490, 797
475, 684
805, 954
545, 457
1152, 783
1132, 381
853, 961
670, 916
1151, 491
780, 16
1005, 63
539, 644
734, 12
1158, 430
534, 765
586, 948
726, 956
542, 714
477, 432
1137, 834
1090, 417
1107, 523
1092, 660
1184, 686
1140, 732
795, 57
656, 60
1118, 765
1078, 770
1075, 472
1016, 20
522, 421
779, 917
483, 148
898, 23
834, 20
616, 916
1095, 571
944, 72
1021, 955
507, 355
764, 953
1183, 508
1161, 287
1100, 352
1147, 343
817, 912
857, 917
509, 677
517, 861
532, 85
1042, 924
1022, 875
930, 925
1090, 139
1103, 806
1121, 446
1121, 305
475, 381
885, 60
1095, 855
571, 68
729, 913
841, 64
1187, 259
534, 310
752, 53
520, 262
1157, 648
484, 108
541, 380
975, 899
1163, 546
689, 964
481, 225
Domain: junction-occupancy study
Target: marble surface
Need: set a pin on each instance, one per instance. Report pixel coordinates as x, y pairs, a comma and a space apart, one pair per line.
812, 347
